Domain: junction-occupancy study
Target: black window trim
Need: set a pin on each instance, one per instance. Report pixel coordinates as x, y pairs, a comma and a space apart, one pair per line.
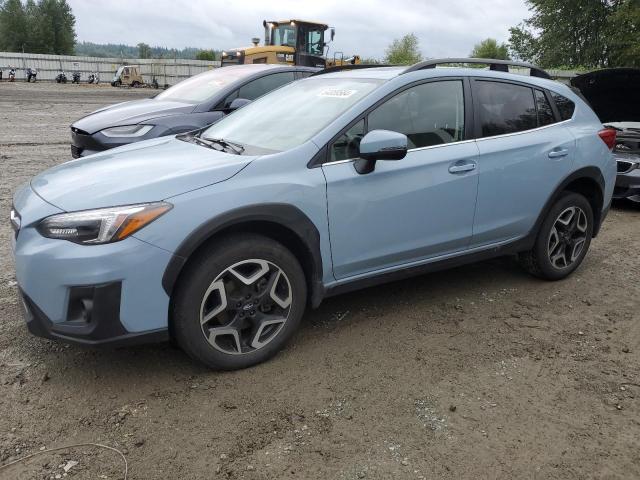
557, 110
547, 96
476, 107
323, 157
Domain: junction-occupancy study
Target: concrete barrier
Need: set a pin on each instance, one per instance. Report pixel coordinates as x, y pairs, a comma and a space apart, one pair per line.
167, 71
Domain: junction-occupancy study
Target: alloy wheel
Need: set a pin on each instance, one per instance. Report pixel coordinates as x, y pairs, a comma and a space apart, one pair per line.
568, 237
246, 306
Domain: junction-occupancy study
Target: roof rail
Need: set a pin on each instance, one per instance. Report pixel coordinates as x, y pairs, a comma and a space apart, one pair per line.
497, 65
339, 68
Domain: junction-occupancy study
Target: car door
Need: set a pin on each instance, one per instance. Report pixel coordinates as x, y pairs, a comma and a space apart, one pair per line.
408, 210
524, 154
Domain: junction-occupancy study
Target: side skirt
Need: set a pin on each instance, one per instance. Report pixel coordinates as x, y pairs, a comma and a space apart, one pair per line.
512, 248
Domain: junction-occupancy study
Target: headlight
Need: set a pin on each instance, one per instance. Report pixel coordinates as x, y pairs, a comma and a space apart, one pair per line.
127, 131
104, 225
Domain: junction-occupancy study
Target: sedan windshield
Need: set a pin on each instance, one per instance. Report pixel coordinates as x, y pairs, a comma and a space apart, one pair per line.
203, 86
293, 114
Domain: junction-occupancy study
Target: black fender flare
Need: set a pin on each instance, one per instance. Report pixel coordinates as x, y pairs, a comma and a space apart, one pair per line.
283, 215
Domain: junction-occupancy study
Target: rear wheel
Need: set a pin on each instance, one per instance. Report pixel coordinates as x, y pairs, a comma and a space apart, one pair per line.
239, 302
563, 240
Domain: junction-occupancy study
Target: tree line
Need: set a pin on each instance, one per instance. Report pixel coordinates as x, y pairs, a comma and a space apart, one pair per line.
142, 50
575, 34
43, 26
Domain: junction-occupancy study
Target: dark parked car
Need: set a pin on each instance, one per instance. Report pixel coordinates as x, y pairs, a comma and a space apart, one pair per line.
614, 94
189, 105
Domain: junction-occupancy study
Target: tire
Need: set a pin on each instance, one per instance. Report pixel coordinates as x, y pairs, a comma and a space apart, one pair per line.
278, 290
135, 84
563, 239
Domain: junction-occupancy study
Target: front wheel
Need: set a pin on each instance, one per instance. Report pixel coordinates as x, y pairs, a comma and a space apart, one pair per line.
238, 302
563, 239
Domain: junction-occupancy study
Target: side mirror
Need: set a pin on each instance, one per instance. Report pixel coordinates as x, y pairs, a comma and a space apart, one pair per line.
333, 33
238, 103
380, 145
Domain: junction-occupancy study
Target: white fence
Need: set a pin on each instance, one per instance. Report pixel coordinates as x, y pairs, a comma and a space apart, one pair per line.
166, 71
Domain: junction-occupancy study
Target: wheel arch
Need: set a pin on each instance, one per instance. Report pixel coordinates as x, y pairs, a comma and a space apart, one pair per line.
283, 223
587, 181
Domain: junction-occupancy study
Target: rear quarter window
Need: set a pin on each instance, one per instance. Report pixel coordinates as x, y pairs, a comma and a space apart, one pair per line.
565, 106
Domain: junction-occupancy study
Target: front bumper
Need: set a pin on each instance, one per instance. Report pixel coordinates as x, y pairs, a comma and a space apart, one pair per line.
94, 319
93, 294
628, 180
84, 144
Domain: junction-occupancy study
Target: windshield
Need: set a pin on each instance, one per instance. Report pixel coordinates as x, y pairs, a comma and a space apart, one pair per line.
118, 73
203, 86
284, 35
293, 114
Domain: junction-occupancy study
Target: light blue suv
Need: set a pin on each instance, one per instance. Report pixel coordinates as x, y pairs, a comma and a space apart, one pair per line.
221, 238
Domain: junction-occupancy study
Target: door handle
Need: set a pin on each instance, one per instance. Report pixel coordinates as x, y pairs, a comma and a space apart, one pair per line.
558, 153
462, 167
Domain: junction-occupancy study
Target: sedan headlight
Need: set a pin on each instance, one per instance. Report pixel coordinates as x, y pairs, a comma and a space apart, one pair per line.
127, 131
104, 225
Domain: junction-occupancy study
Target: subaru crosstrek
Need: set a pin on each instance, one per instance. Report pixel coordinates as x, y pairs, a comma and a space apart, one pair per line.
220, 239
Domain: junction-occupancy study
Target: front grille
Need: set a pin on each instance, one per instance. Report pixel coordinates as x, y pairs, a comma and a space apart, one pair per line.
76, 152
625, 166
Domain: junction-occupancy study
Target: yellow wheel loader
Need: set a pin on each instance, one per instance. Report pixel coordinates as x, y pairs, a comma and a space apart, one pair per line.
290, 42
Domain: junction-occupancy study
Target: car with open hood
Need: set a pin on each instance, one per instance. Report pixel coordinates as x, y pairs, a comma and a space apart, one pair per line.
221, 238
614, 94
189, 105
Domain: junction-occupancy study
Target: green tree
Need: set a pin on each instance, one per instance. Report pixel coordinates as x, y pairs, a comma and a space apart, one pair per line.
489, 48
54, 27
206, 55
578, 33
403, 51
625, 35
13, 26
144, 50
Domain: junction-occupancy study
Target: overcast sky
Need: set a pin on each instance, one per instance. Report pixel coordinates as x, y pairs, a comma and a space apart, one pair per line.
446, 28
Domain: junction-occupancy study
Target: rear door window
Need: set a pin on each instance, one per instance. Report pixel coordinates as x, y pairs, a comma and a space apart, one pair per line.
564, 105
545, 113
428, 114
505, 108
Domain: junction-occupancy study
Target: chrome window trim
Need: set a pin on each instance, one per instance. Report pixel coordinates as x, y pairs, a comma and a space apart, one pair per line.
440, 145
504, 135
408, 151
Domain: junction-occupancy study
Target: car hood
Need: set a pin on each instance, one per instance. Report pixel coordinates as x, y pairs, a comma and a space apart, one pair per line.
614, 93
142, 172
130, 113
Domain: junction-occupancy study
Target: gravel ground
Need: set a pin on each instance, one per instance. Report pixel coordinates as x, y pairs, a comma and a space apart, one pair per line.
477, 372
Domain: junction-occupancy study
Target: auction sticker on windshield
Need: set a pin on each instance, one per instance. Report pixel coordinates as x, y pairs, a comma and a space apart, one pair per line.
337, 93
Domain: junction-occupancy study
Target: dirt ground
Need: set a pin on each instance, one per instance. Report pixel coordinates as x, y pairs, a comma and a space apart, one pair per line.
477, 372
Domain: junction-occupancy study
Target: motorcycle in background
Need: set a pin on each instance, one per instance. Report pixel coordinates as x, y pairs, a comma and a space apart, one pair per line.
12, 75
94, 78
62, 77
31, 74
76, 78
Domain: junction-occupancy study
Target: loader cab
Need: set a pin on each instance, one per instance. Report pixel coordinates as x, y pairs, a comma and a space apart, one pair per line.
306, 38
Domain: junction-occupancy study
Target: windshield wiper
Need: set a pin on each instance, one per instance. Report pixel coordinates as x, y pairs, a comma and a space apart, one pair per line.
210, 142
234, 147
